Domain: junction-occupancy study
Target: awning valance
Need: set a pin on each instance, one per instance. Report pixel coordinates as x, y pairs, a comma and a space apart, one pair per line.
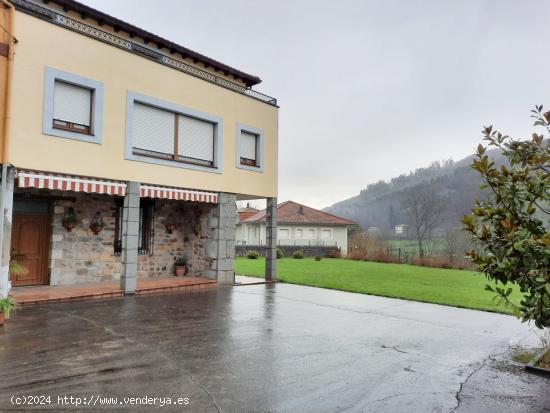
43, 180
163, 192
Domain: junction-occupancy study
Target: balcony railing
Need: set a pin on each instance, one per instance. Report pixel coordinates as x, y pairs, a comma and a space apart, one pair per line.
293, 243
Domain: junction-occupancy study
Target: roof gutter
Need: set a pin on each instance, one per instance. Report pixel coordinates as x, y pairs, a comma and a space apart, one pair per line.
8, 80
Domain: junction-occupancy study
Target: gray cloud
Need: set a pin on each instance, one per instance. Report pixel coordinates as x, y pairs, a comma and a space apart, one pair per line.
369, 89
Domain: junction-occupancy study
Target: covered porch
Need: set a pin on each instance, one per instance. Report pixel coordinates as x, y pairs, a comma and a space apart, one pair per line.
107, 289
73, 231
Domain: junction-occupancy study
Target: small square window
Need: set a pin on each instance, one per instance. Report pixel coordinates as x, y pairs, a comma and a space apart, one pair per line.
284, 233
250, 148
73, 106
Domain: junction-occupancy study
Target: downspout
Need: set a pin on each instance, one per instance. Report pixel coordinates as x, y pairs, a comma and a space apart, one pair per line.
5, 256
9, 75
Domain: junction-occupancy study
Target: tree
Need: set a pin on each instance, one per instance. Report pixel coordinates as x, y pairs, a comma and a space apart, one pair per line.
425, 208
511, 226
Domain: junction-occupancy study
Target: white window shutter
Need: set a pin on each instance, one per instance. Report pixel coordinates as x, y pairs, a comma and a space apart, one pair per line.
153, 129
248, 145
72, 103
196, 138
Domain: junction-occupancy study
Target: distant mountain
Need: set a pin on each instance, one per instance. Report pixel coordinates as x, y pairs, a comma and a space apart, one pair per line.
379, 204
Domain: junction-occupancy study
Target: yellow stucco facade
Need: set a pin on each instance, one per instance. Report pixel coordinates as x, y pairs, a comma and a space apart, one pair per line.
42, 44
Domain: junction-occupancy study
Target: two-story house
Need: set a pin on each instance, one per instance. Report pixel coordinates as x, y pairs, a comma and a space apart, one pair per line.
298, 226
121, 150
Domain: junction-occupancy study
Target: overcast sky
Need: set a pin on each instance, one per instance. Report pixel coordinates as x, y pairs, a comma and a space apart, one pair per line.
369, 89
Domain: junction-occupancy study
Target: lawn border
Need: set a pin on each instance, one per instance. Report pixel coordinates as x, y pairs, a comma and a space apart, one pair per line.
390, 296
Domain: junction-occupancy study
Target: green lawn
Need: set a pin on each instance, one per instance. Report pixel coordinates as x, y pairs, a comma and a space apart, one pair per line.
410, 247
452, 287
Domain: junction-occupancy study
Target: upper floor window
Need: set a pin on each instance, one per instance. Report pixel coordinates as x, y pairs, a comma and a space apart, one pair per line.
250, 148
73, 106
165, 133
311, 233
284, 233
326, 233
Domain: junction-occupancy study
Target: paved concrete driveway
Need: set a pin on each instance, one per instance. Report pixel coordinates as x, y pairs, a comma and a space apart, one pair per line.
271, 348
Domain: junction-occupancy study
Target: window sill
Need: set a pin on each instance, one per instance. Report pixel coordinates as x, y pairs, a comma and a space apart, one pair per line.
81, 132
169, 160
258, 168
71, 134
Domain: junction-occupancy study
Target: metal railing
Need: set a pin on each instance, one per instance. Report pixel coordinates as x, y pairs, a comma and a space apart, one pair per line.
293, 243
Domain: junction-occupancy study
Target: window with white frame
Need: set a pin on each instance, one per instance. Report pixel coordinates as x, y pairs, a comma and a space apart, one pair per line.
163, 132
73, 106
284, 233
311, 233
250, 147
299, 233
326, 233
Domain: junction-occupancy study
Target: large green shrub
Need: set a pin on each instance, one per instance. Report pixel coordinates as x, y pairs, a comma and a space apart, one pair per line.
280, 253
298, 254
253, 255
511, 227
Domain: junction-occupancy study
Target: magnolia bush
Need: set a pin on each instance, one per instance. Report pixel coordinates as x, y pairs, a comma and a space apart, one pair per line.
511, 227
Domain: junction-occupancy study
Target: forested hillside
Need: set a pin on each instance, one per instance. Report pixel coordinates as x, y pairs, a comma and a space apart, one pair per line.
380, 204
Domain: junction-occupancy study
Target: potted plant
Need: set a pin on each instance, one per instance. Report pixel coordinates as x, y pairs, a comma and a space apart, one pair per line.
181, 266
96, 224
69, 219
6, 305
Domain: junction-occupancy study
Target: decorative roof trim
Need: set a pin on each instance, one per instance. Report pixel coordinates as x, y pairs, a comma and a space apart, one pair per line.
121, 43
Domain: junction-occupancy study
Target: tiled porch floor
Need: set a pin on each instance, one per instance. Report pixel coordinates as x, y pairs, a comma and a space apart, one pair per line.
105, 289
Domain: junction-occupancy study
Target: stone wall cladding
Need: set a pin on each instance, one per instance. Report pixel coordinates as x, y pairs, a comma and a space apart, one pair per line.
80, 256
221, 242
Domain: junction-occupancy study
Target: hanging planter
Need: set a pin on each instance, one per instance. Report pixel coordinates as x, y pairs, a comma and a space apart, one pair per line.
170, 225
96, 224
69, 219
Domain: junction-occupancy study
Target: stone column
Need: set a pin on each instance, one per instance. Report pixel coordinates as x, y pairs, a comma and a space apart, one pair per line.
6, 207
271, 240
130, 235
221, 240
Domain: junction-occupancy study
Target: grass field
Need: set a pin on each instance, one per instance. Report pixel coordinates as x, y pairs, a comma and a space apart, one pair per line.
410, 247
442, 286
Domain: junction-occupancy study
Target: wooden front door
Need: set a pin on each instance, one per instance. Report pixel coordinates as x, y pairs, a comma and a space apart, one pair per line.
29, 244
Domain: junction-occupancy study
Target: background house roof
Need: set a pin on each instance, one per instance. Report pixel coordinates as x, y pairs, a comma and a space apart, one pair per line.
120, 25
245, 213
291, 212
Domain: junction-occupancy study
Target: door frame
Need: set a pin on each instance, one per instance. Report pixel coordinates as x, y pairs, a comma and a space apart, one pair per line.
48, 234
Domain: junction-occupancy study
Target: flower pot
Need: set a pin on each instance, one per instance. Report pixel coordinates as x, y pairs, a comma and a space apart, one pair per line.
69, 226
181, 271
96, 229
2, 318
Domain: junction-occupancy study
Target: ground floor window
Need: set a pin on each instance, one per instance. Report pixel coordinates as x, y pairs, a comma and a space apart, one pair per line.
146, 227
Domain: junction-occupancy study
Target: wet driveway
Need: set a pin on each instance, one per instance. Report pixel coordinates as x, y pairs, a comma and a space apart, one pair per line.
268, 348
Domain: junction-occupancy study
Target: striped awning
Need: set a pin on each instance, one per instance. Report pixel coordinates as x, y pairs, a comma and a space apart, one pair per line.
43, 180
163, 192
